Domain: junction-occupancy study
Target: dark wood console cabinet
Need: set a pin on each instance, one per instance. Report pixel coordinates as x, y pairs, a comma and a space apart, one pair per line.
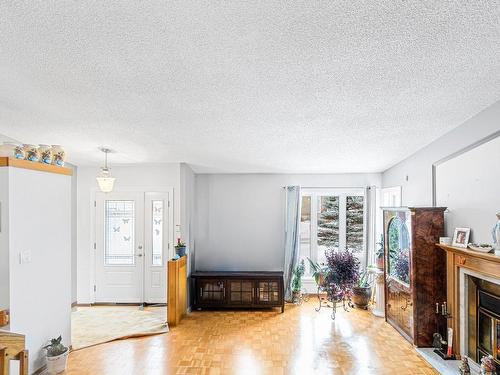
238, 290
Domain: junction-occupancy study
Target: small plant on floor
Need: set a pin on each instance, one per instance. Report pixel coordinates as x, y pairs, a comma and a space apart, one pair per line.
298, 272
361, 292
55, 347
57, 355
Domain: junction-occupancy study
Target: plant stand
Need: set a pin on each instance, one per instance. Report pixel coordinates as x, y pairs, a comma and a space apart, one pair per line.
325, 302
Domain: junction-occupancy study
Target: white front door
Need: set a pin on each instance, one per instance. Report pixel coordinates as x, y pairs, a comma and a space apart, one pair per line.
131, 242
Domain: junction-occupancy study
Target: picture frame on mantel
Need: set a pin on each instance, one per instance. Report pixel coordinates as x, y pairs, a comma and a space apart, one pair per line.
461, 237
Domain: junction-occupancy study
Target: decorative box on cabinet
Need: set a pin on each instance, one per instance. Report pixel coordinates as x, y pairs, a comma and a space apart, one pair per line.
415, 271
238, 290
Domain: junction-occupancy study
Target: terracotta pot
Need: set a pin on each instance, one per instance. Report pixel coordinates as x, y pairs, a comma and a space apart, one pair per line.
380, 263
296, 295
361, 296
322, 280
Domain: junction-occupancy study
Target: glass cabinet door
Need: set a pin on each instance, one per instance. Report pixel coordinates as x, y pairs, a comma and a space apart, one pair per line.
268, 292
398, 248
212, 291
241, 292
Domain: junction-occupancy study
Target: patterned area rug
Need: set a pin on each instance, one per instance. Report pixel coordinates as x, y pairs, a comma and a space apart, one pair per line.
96, 325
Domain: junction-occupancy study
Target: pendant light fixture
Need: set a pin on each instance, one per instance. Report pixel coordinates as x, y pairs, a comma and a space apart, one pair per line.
104, 180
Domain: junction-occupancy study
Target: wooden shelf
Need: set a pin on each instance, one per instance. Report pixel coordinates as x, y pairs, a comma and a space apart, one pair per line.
36, 166
471, 253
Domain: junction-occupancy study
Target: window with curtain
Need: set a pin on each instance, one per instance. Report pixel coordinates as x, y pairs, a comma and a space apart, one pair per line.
332, 219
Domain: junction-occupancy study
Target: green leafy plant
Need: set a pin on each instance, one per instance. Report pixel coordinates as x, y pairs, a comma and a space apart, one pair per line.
364, 280
318, 271
55, 347
298, 272
180, 243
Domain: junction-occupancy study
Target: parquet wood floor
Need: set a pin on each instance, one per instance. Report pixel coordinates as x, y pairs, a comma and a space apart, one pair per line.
300, 341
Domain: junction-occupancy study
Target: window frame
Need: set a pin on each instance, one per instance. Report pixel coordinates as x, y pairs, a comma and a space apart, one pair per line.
342, 193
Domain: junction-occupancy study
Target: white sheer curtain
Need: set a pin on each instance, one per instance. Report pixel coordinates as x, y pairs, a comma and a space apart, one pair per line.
292, 223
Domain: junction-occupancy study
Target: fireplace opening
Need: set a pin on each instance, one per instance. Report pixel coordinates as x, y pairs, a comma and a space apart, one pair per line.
483, 326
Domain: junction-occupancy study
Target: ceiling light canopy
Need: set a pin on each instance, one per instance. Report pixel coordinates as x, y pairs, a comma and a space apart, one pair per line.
104, 180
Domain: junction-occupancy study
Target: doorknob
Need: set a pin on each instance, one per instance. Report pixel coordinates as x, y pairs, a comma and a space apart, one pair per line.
138, 255
139, 247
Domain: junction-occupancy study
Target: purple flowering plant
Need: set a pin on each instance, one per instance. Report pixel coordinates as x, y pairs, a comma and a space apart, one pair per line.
342, 274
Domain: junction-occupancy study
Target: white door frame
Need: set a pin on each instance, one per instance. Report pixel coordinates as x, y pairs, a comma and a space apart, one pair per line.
92, 210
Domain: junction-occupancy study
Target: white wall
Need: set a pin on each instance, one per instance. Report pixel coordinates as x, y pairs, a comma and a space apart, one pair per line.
4, 238
417, 190
154, 178
74, 233
469, 185
187, 197
240, 218
40, 290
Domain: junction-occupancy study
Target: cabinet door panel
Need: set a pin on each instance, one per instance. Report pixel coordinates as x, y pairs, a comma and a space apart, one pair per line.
211, 291
400, 310
268, 292
241, 292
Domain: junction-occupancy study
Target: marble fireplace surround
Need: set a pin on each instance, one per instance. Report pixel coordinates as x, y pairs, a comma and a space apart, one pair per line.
462, 263
463, 305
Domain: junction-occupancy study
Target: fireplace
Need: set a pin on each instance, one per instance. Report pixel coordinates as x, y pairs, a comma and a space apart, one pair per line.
483, 319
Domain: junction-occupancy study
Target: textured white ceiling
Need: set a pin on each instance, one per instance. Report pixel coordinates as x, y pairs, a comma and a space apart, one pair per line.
232, 86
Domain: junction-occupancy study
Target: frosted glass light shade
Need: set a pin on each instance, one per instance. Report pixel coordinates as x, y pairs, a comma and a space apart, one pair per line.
105, 181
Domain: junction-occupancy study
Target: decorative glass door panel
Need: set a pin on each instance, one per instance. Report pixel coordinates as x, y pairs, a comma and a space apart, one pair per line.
156, 241
212, 291
157, 233
398, 243
268, 292
119, 232
241, 291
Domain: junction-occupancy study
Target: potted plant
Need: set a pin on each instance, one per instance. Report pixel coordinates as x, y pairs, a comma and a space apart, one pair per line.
180, 248
361, 292
57, 356
379, 253
298, 272
318, 272
342, 274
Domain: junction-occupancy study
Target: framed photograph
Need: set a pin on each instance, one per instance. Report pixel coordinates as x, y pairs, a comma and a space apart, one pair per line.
461, 237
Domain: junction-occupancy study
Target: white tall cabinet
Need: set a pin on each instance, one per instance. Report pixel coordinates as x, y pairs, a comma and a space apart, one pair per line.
35, 254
